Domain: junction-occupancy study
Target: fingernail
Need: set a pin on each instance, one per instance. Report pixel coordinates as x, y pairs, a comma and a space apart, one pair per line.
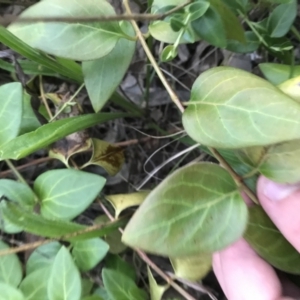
277, 192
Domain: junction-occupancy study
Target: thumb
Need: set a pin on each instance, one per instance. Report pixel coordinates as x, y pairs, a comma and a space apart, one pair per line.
282, 203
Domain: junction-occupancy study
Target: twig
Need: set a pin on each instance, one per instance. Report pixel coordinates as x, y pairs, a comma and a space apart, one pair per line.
238, 180
44, 98
150, 263
33, 245
151, 58
136, 17
14, 170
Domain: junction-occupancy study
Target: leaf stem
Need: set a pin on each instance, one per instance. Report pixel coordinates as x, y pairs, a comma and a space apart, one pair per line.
67, 103
238, 180
15, 171
151, 58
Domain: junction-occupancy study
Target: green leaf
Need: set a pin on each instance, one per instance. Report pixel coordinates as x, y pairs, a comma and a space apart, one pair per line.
102, 76
115, 262
72, 71
18, 192
252, 43
279, 162
156, 291
269, 243
65, 193
109, 157
86, 286
242, 5
28, 67
36, 224
123, 201
93, 297
168, 53
87, 254
11, 268
77, 41
278, 73
29, 120
225, 101
47, 134
210, 28
10, 111
192, 268
34, 285
232, 26
42, 257
113, 239
64, 282
162, 30
198, 9
291, 88
9, 292
282, 18
120, 286
182, 216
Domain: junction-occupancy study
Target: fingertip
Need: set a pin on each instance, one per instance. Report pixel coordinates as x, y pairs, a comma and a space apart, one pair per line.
242, 274
282, 203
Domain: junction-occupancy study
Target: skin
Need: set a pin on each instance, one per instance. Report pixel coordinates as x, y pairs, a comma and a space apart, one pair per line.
242, 274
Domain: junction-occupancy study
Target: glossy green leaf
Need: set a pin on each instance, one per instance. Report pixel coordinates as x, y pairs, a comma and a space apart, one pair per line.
65, 193
42, 257
9, 292
156, 290
210, 28
232, 26
18, 192
109, 157
115, 262
11, 268
225, 101
77, 41
47, 134
10, 111
182, 216
269, 243
64, 282
123, 201
282, 18
252, 43
120, 286
29, 120
36, 224
192, 268
72, 71
278, 73
34, 285
87, 254
102, 76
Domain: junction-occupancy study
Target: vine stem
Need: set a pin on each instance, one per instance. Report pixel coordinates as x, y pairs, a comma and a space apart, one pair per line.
137, 17
150, 263
238, 180
151, 58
